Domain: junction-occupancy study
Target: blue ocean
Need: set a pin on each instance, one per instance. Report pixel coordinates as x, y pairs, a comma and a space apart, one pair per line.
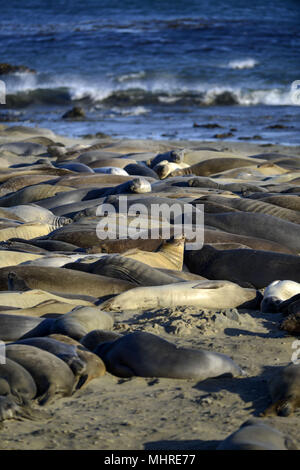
167, 69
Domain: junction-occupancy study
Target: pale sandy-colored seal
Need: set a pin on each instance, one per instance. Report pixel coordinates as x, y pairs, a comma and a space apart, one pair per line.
169, 255
147, 355
52, 376
284, 389
203, 294
254, 434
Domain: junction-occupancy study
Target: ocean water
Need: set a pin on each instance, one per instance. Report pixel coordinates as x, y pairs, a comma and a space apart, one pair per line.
181, 69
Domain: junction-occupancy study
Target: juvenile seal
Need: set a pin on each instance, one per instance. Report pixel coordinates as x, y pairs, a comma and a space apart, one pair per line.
276, 293
284, 389
256, 435
147, 355
52, 376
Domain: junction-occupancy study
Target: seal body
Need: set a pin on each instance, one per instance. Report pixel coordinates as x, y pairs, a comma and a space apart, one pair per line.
52, 376
147, 355
284, 389
276, 293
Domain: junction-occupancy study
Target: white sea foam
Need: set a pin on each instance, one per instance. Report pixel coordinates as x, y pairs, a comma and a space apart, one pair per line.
242, 64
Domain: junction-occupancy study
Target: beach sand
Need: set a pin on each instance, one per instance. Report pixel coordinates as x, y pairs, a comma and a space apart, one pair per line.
170, 414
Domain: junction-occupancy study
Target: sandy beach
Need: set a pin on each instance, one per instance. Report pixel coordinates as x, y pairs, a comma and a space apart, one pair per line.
113, 413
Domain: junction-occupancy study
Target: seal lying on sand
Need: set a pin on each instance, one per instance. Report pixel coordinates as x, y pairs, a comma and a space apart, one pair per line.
203, 294
276, 293
147, 355
248, 268
52, 376
256, 435
284, 388
122, 267
60, 281
94, 366
17, 389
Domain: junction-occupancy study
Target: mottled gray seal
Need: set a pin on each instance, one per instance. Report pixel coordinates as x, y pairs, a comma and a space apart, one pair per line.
52, 376
147, 355
256, 435
284, 389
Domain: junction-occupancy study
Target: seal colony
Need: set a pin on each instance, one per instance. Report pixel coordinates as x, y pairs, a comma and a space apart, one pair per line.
83, 315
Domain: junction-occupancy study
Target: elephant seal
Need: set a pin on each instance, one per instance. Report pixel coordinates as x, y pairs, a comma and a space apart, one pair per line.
60, 282
32, 194
291, 305
211, 237
202, 294
13, 327
146, 355
122, 267
256, 435
164, 168
175, 156
17, 390
257, 225
248, 268
276, 293
92, 339
291, 324
136, 169
52, 376
287, 202
212, 166
76, 323
94, 366
35, 213
65, 352
169, 255
258, 206
284, 389
77, 167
